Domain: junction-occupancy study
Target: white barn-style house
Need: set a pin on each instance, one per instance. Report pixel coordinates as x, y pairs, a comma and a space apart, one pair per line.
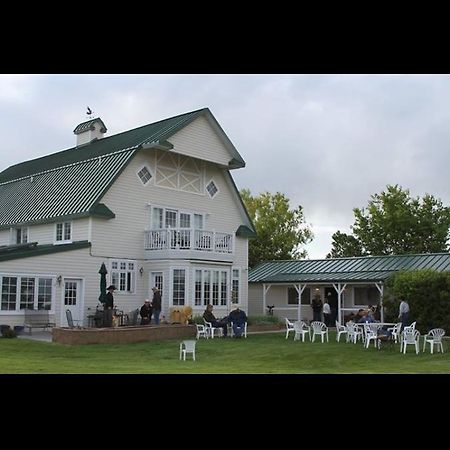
157, 204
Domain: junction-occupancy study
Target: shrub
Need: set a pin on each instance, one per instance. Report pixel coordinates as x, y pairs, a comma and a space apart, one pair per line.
428, 295
263, 320
198, 319
9, 333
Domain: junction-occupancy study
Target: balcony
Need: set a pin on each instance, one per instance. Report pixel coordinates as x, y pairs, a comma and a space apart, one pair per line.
188, 243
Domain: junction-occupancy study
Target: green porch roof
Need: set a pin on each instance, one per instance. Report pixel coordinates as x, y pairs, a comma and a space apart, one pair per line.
70, 183
358, 269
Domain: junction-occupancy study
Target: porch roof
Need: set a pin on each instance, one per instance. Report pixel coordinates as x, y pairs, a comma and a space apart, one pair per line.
358, 269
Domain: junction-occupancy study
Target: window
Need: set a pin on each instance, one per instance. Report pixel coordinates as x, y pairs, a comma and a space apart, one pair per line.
179, 285
19, 293
235, 286
293, 296
211, 287
144, 175
172, 218
9, 293
63, 232
123, 273
212, 189
366, 296
22, 235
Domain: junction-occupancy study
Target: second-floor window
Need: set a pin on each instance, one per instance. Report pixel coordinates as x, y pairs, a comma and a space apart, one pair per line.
21, 235
123, 275
63, 232
172, 218
144, 175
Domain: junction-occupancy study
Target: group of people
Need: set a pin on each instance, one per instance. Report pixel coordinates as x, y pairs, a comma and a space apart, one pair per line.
237, 317
328, 308
151, 308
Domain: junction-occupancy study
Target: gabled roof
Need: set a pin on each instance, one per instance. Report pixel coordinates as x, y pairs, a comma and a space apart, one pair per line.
361, 269
70, 183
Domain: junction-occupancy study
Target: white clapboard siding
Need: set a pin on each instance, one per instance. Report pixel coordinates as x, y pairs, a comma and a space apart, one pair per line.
199, 140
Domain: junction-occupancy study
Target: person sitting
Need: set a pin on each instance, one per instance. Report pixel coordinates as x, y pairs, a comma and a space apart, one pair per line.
209, 317
366, 317
146, 313
238, 318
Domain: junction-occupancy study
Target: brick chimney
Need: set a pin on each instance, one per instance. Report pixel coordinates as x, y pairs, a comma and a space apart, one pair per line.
89, 131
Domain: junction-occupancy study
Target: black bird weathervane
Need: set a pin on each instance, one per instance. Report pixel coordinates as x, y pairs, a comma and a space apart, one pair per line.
89, 112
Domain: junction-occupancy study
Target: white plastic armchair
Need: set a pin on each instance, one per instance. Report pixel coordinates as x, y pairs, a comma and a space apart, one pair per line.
341, 329
395, 331
410, 337
244, 331
354, 332
320, 329
434, 337
210, 330
289, 326
301, 329
371, 333
201, 331
187, 347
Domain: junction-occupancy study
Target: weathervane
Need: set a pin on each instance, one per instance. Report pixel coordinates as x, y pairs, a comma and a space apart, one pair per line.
89, 113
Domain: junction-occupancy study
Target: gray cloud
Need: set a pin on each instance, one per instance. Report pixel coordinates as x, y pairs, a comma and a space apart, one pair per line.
327, 142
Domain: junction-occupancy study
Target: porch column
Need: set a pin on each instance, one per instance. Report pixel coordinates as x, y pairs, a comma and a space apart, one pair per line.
339, 289
265, 290
299, 288
380, 288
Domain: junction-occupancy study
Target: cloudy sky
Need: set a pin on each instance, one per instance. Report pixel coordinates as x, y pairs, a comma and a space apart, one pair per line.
326, 141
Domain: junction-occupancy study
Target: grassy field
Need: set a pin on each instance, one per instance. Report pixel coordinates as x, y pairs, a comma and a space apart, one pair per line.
259, 354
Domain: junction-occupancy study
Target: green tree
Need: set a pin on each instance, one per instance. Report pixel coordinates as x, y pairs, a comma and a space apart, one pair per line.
280, 230
396, 223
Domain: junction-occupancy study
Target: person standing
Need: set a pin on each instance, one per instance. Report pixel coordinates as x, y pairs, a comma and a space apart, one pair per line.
316, 306
109, 305
156, 304
403, 313
327, 314
146, 313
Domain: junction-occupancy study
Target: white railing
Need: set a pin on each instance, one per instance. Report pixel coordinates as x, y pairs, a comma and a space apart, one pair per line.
185, 238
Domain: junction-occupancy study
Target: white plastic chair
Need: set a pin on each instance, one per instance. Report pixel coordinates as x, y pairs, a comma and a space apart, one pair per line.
244, 331
210, 330
434, 337
371, 333
354, 332
410, 337
289, 326
341, 329
395, 331
187, 347
319, 328
301, 329
201, 331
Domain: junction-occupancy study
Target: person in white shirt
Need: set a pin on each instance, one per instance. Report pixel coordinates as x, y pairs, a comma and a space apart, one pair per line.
326, 313
403, 313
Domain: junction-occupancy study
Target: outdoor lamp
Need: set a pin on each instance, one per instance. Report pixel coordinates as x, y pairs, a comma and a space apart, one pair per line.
141, 271
59, 279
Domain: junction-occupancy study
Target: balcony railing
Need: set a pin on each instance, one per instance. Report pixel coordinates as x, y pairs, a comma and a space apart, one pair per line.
187, 239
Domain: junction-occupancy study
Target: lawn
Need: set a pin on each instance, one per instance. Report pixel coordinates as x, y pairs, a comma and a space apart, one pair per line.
259, 354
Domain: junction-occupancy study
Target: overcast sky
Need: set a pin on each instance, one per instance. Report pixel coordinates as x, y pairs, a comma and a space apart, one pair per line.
326, 141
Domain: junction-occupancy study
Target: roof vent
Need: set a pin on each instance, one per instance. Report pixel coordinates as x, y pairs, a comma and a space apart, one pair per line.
89, 131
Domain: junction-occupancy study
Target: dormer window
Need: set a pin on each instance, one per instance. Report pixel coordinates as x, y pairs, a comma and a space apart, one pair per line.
212, 189
63, 232
144, 175
22, 235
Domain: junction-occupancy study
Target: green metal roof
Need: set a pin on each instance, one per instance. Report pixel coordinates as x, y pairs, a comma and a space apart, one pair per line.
361, 269
32, 249
70, 183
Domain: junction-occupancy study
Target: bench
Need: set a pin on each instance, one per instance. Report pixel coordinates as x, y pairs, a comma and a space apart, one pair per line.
37, 318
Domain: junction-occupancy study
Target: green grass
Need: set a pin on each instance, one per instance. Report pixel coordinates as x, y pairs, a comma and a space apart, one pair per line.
259, 354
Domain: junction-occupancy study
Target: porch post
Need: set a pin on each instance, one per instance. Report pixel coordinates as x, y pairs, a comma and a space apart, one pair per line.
265, 290
380, 288
339, 289
299, 288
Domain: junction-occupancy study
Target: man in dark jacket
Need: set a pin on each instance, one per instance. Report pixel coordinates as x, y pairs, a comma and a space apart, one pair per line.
156, 304
209, 317
109, 305
146, 313
239, 319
